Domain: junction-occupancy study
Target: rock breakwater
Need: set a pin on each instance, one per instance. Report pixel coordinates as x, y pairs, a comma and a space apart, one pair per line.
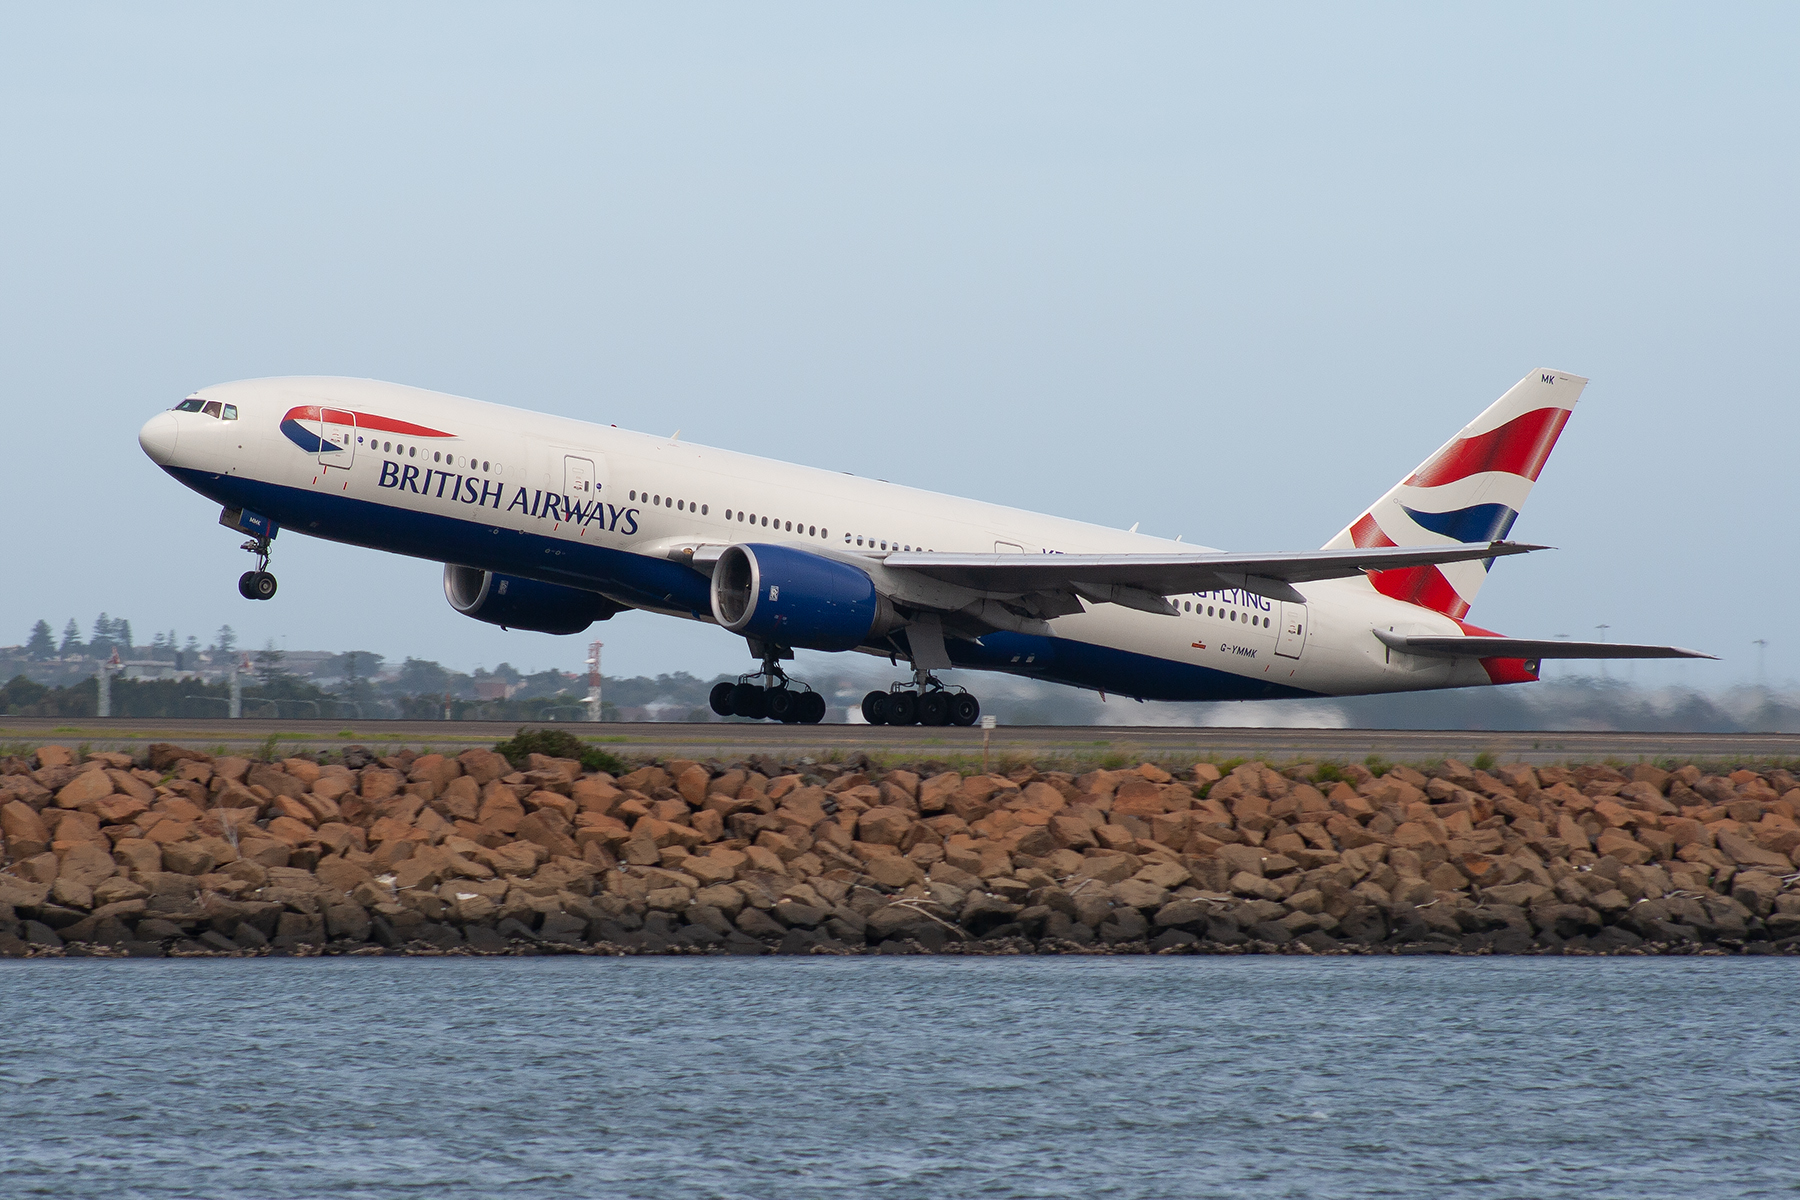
180, 852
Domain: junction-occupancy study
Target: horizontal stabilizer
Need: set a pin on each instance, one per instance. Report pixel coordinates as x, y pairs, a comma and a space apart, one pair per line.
1505, 647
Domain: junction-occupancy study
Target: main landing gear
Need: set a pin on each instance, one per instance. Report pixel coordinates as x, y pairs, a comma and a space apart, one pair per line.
924, 701
776, 698
260, 583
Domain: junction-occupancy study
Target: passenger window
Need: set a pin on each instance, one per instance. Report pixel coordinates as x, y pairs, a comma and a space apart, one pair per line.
703, 510
211, 409
790, 527
811, 532
231, 412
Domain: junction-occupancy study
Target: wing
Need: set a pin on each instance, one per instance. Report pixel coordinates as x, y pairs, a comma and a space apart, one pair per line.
1123, 578
1505, 647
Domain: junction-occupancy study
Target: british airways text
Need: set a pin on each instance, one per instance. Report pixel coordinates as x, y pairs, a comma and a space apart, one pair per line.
471, 489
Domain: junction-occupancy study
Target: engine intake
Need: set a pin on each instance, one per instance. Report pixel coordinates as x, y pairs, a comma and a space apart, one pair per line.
794, 598
515, 603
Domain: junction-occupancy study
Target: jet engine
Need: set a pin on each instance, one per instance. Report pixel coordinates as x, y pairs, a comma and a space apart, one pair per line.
515, 603
793, 598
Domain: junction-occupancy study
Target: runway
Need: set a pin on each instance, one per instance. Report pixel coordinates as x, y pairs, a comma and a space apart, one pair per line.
1089, 744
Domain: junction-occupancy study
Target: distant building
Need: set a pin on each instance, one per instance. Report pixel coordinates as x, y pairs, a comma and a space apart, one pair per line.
494, 689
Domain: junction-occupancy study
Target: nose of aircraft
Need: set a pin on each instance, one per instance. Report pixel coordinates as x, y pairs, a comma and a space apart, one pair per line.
157, 437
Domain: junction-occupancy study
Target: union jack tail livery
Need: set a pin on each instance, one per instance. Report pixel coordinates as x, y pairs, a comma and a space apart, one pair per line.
1471, 490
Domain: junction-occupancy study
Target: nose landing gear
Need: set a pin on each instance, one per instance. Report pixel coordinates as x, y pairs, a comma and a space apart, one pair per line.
925, 701
776, 697
260, 583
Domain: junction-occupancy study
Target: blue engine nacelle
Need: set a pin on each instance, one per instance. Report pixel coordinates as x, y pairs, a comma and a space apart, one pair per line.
515, 603
793, 598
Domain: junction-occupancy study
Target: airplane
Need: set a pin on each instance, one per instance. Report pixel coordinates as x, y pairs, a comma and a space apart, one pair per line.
547, 523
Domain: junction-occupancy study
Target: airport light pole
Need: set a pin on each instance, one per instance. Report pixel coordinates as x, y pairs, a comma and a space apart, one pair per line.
593, 696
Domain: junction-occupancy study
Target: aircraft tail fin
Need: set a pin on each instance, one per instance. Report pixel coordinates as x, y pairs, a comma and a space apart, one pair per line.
1471, 490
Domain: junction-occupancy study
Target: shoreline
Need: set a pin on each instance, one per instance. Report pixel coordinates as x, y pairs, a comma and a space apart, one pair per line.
178, 853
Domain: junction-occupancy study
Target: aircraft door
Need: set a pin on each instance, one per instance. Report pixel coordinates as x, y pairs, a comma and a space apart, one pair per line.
578, 478
583, 486
1292, 638
337, 437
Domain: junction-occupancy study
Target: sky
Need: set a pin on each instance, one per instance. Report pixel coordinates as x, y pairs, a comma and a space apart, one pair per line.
1226, 272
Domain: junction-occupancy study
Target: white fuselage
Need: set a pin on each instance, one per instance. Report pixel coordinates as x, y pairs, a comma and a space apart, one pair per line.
505, 490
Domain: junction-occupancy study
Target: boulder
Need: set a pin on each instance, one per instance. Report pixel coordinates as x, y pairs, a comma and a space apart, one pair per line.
483, 766
935, 793
22, 893
500, 809
883, 826
1138, 893
435, 769
25, 832
87, 787
892, 871
86, 863
982, 913
1183, 914
1165, 874
758, 924
186, 858
1742, 851
279, 782
1246, 884
1241, 859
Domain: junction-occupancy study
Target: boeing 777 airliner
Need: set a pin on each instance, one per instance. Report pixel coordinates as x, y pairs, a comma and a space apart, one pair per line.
550, 524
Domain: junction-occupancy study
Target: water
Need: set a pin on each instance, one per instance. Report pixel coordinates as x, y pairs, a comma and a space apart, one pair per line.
897, 1077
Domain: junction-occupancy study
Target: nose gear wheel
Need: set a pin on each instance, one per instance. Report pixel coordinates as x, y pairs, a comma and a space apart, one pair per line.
260, 583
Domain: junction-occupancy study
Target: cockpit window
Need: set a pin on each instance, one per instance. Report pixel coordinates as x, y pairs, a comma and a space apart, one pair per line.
191, 404
212, 408
231, 412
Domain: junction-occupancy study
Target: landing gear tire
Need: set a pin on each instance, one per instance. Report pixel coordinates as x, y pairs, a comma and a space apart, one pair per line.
747, 700
256, 585
721, 698
934, 709
964, 709
811, 708
902, 708
782, 705
875, 708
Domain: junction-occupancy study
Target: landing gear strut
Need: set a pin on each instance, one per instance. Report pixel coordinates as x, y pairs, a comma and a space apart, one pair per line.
776, 697
924, 701
260, 583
